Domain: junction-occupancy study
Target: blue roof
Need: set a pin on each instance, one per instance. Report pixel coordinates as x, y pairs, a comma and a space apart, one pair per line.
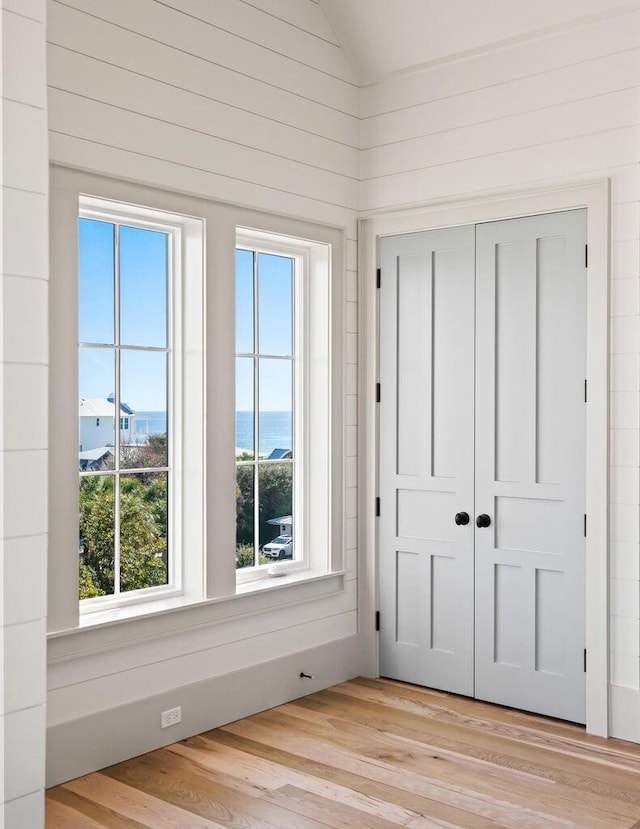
279, 454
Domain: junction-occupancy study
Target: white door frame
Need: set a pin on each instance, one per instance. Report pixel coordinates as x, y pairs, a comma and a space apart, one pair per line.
595, 196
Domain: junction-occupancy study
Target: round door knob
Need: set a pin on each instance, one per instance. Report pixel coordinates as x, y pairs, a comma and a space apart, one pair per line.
462, 518
483, 520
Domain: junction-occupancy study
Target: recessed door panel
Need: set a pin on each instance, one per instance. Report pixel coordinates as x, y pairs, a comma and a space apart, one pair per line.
443, 612
550, 631
413, 363
513, 399
409, 591
412, 507
527, 524
508, 584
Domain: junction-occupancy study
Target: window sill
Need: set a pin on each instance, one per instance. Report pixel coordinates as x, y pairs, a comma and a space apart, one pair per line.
111, 629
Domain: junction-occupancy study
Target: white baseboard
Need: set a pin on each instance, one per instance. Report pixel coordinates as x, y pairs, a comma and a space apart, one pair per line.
90, 743
624, 717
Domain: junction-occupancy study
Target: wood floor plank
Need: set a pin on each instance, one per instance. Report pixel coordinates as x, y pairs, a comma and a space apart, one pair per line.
509, 745
433, 703
135, 805
501, 771
292, 796
272, 775
601, 812
331, 812
277, 732
104, 815
375, 754
452, 770
171, 778
59, 816
524, 727
419, 803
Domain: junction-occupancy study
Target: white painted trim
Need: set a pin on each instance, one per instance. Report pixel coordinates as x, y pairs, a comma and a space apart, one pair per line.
625, 713
90, 743
313, 457
125, 626
595, 196
186, 354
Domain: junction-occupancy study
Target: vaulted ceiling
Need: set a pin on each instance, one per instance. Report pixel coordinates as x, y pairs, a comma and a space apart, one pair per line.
383, 37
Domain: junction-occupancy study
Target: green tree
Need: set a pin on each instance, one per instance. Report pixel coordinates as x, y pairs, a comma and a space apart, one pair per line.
244, 555
244, 505
275, 482
143, 536
87, 587
275, 497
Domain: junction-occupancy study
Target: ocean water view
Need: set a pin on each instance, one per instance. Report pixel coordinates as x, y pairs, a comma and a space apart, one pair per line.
275, 429
155, 425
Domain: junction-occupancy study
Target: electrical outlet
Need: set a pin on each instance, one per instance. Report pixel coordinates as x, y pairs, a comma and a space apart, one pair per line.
171, 717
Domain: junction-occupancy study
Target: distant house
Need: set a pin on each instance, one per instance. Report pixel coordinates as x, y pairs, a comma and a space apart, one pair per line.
285, 522
96, 459
97, 421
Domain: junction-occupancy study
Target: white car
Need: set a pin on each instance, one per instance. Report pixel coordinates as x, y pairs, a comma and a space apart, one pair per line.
281, 547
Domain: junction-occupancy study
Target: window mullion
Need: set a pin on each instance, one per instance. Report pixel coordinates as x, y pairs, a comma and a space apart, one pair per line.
256, 416
116, 416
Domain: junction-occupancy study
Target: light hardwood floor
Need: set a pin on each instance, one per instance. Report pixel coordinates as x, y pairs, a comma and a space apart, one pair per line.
368, 753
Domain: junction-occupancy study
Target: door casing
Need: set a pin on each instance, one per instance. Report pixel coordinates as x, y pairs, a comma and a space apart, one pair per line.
595, 197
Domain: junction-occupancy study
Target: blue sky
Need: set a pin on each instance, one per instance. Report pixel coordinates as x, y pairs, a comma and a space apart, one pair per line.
143, 318
143, 315
275, 298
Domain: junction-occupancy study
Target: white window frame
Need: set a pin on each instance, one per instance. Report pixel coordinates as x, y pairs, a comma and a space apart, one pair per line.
311, 401
119, 215
185, 399
244, 242
209, 590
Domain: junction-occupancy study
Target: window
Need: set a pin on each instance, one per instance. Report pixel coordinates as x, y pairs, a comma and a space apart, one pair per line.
131, 379
125, 354
266, 388
283, 400
146, 312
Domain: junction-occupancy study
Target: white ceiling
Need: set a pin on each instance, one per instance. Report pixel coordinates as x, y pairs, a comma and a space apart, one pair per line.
382, 37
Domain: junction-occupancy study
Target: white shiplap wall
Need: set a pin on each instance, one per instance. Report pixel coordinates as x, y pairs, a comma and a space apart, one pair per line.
251, 102
560, 108
23, 412
182, 98
244, 101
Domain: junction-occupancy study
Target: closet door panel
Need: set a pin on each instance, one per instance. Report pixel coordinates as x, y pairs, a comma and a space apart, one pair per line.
530, 463
426, 457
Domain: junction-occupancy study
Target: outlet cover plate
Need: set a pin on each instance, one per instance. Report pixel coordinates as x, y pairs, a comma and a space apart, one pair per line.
171, 717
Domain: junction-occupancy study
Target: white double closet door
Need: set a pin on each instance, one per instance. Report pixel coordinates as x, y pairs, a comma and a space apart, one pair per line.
482, 414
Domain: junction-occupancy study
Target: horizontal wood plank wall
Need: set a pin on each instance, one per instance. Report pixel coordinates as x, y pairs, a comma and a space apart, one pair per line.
565, 107
24, 376
244, 101
369, 753
108, 736
200, 98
